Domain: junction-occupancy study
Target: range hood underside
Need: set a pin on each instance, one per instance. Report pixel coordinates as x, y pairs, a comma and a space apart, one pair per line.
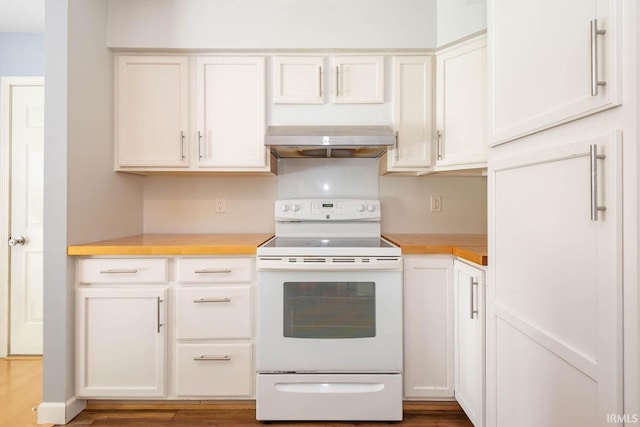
329, 141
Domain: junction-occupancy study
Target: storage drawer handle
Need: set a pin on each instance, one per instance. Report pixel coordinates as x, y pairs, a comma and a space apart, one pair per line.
213, 270
119, 271
212, 300
204, 357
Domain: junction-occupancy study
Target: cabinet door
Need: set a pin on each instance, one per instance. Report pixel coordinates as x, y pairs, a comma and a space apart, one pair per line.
428, 327
544, 59
298, 80
555, 303
231, 113
121, 342
359, 79
412, 113
461, 110
469, 315
151, 111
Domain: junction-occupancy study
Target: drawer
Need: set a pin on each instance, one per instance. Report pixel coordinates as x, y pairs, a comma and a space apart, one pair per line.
213, 313
215, 270
122, 270
214, 370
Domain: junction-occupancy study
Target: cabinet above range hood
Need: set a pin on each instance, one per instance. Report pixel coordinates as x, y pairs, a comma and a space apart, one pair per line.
329, 141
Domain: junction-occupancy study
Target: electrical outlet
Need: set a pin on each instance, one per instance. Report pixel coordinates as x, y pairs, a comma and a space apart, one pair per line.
220, 205
436, 203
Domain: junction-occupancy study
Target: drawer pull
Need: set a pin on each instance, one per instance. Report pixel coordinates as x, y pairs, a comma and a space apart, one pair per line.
204, 357
213, 270
212, 300
119, 271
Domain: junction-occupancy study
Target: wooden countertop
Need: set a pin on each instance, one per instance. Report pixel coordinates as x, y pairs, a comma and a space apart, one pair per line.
472, 247
174, 244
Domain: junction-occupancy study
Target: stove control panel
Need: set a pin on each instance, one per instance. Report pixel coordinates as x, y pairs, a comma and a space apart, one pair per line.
327, 210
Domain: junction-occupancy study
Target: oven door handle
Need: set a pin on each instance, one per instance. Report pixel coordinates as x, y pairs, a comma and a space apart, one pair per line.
310, 264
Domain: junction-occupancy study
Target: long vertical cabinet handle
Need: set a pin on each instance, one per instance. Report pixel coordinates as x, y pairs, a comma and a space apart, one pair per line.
159, 300
594, 157
396, 151
182, 145
439, 146
199, 145
337, 81
320, 81
595, 32
472, 306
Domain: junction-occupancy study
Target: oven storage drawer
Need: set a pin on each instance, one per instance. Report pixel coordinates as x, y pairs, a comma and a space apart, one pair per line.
309, 397
213, 313
223, 370
215, 270
122, 270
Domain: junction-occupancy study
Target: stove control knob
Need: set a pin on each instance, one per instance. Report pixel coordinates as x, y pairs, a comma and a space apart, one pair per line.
360, 208
284, 207
295, 207
371, 208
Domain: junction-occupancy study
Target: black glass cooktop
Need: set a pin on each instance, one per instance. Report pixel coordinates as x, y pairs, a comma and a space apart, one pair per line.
330, 242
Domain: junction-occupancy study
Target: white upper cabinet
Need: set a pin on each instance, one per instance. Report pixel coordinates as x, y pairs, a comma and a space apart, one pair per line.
412, 114
298, 79
358, 79
151, 111
461, 105
161, 127
230, 113
551, 62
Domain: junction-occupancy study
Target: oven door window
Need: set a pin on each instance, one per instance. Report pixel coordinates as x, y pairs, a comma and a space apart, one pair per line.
329, 310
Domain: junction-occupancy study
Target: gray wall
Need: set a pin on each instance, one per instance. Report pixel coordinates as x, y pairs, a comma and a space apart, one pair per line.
21, 54
84, 199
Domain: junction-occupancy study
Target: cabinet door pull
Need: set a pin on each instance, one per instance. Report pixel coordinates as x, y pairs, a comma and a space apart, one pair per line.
158, 312
320, 81
595, 32
594, 157
213, 270
212, 300
182, 145
200, 145
472, 309
205, 357
337, 81
119, 271
396, 152
439, 145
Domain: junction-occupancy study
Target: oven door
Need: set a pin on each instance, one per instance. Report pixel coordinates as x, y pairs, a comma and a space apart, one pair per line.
322, 320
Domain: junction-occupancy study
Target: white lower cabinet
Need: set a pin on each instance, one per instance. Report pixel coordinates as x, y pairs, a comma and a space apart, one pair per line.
144, 333
121, 342
428, 327
214, 370
469, 334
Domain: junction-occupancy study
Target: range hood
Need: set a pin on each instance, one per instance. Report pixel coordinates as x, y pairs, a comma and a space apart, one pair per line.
328, 141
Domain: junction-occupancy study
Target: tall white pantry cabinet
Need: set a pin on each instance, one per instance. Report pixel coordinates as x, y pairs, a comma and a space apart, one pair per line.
561, 242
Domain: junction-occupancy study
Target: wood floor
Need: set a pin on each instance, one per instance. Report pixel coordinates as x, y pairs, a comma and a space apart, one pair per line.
21, 390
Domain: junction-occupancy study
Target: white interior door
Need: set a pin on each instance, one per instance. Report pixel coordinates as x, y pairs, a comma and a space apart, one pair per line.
26, 215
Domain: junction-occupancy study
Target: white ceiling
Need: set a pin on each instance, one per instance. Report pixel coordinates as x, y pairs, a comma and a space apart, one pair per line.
21, 16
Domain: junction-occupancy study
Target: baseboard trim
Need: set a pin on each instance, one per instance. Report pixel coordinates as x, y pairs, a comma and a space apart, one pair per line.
60, 412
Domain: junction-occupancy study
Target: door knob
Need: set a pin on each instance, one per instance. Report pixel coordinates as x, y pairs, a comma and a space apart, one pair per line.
16, 241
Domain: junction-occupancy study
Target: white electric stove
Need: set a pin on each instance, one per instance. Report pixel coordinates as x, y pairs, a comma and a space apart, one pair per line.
329, 314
